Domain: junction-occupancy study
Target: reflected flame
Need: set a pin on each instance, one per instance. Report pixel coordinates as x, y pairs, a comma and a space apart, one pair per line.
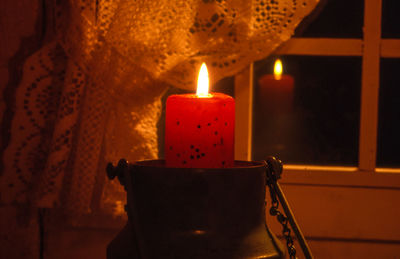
199, 232
278, 69
203, 82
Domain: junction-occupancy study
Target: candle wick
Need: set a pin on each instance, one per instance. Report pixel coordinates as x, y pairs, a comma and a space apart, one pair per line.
203, 95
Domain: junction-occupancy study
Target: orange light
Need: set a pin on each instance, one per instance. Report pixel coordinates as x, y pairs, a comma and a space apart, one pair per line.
203, 82
199, 232
278, 69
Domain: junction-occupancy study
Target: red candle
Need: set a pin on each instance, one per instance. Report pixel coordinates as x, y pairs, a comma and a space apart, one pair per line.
199, 129
276, 91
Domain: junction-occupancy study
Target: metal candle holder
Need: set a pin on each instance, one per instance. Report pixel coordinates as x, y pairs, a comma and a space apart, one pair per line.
201, 213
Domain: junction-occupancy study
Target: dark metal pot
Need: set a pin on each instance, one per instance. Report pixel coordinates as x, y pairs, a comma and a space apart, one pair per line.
193, 213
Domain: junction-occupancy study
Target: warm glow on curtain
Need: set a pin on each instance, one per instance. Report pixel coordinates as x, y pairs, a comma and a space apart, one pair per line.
93, 93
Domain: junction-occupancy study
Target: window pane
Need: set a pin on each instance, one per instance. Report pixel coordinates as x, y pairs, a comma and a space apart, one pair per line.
390, 19
316, 122
388, 154
334, 19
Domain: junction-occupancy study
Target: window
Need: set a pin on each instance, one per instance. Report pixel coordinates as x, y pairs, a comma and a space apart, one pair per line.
314, 122
369, 50
389, 114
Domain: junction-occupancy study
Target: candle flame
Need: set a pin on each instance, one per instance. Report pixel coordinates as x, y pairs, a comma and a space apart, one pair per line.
203, 82
278, 69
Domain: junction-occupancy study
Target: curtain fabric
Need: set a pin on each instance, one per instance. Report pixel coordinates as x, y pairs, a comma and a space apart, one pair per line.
92, 94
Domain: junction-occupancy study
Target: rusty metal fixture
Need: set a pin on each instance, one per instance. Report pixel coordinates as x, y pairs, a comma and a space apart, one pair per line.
193, 213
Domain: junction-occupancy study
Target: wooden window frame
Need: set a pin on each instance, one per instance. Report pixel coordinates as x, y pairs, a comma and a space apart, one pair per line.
371, 49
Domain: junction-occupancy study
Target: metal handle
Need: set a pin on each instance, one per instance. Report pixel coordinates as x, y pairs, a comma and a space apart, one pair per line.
274, 170
124, 176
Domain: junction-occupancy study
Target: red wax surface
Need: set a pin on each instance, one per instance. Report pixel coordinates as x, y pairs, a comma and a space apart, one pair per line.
276, 95
199, 132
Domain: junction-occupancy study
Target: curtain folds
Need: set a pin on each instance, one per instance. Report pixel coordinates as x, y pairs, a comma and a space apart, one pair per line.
92, 94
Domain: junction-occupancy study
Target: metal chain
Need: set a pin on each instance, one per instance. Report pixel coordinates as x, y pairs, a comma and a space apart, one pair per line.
283, 220
274, 211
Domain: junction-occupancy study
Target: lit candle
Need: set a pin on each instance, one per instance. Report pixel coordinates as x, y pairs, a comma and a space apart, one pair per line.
276, 91
199, 128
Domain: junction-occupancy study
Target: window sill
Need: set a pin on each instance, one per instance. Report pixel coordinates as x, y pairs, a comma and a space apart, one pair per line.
330, 176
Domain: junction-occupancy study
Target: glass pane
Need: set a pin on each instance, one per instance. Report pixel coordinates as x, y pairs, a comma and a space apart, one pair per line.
314, 122
225, 86
390, 19
334, 19
388, 153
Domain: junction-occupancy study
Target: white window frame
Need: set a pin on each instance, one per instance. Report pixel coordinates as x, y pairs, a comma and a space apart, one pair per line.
370, 48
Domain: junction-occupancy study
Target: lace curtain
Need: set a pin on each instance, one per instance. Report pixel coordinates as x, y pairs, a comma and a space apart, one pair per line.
92, 93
